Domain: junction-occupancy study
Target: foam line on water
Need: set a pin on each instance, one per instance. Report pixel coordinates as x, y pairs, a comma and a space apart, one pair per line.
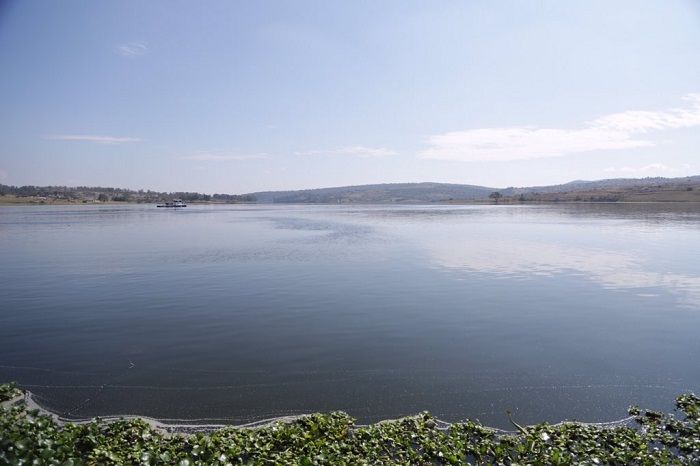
206, 425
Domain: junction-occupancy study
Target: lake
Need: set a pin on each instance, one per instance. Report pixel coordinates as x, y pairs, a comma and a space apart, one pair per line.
245, 312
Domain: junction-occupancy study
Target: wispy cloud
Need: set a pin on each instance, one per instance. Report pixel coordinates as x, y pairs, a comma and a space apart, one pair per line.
222, 157
651, 169
642, 121
3, 175
610, 132
132, 49
353, 151
91, 138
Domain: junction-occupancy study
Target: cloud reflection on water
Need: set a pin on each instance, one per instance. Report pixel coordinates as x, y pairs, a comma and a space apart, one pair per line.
517, 258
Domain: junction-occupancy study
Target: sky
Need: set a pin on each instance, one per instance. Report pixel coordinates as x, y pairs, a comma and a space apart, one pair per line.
235, 97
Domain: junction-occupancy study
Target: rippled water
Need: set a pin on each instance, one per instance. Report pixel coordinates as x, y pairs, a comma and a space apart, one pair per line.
239, 313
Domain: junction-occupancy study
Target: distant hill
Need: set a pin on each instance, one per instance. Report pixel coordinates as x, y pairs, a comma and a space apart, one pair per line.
683, 189
443, 192
378, 193
611, 183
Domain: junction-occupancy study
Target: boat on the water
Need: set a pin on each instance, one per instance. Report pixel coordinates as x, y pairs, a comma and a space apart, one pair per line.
173, 203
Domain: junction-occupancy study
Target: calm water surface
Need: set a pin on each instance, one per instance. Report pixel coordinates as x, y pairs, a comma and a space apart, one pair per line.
239, 313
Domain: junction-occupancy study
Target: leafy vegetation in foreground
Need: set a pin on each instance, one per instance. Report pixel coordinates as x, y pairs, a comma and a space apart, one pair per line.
27, 437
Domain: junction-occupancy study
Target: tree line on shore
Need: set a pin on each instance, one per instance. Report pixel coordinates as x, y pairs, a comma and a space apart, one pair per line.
105, 194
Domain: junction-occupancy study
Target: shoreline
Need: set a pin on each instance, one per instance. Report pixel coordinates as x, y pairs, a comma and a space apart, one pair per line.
436, 203
192, 426
30, 436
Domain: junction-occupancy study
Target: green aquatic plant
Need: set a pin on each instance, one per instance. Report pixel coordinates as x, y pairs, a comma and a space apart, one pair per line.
651, 438
9, 391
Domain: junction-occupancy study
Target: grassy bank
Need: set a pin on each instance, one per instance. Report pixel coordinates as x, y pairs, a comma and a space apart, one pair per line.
28, 437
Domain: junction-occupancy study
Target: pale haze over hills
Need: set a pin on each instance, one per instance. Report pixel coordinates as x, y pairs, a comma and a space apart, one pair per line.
250, 96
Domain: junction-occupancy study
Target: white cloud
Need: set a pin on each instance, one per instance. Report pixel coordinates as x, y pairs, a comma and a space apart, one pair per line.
3, 175
610, 132
517, 143
353, 151
91, 138
132, 49
651, 169
641, 121
222, 157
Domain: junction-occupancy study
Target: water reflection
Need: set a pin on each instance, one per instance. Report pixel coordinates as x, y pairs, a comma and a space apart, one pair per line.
517, 258
246, 312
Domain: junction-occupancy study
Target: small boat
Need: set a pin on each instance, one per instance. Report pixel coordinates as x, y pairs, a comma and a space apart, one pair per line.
174, 203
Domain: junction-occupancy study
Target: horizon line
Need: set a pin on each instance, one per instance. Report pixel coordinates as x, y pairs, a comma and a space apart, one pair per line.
355, 185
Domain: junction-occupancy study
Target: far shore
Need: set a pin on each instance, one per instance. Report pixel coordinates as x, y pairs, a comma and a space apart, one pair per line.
44, 201
662, 198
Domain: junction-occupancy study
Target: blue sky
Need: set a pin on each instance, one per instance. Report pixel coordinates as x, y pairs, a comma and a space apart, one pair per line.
245, 96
